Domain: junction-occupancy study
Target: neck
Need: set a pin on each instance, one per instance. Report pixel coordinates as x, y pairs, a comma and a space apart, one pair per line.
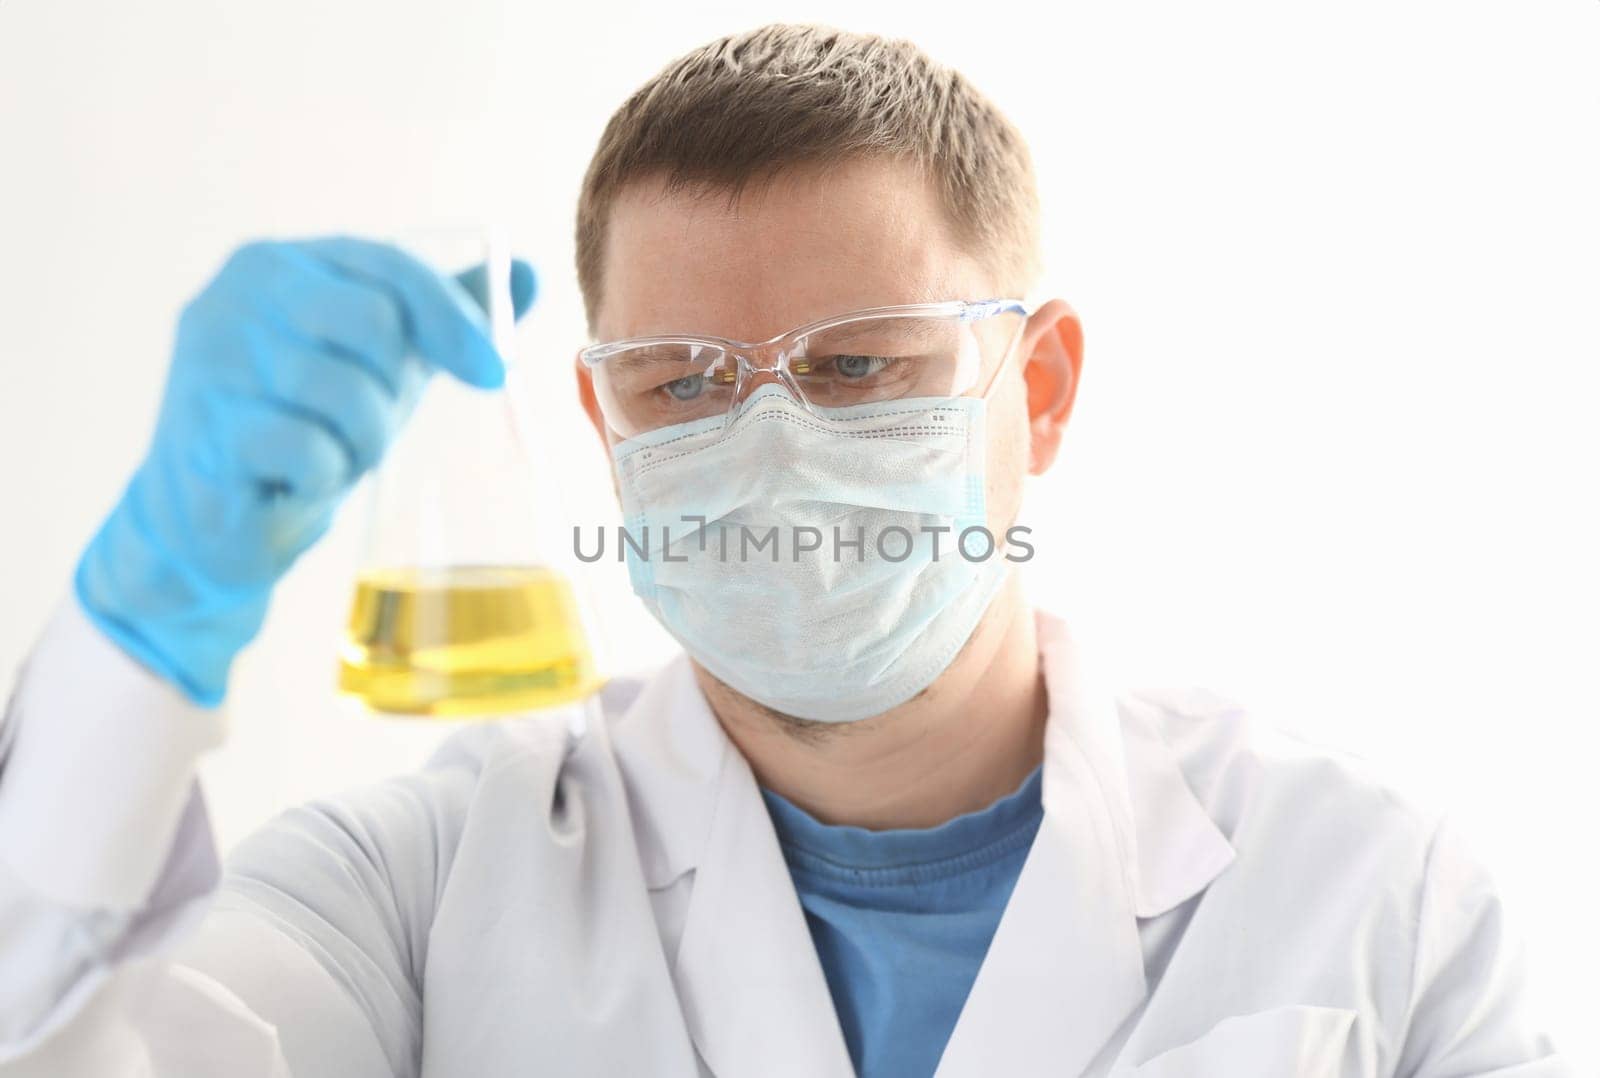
969, 739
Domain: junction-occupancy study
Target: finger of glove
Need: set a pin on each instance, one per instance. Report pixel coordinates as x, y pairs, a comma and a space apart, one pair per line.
441, 321
524, 286
326, 386
289, 290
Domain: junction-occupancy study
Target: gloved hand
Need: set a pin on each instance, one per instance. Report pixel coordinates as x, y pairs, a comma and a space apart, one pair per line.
290, 374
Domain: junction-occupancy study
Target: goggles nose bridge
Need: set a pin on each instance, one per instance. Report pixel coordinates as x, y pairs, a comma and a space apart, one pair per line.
765, 364
750, 357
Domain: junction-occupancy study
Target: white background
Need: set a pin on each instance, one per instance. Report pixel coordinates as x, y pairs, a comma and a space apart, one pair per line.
1334, 452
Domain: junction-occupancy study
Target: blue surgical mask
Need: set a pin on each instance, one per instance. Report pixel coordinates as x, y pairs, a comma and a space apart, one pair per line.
808, 558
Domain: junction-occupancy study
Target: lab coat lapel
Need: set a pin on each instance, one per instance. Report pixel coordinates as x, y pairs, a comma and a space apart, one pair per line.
1123, 838
1065, 968
747, 973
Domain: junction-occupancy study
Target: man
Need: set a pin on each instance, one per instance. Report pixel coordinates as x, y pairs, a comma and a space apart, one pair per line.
879, 818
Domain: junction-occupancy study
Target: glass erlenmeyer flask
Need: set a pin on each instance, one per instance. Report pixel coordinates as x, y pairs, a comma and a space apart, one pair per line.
456, 611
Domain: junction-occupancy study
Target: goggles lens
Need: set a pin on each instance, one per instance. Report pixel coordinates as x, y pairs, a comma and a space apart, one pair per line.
660, 382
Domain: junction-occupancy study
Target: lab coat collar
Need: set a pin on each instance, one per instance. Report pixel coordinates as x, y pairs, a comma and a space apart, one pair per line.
1123, 838
747, 973
671, 751
1168, 844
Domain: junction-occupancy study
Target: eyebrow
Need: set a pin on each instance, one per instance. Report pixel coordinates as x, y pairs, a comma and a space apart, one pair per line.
913, 328
647, 354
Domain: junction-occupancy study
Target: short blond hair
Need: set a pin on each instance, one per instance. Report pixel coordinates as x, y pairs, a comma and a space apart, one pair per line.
749, 105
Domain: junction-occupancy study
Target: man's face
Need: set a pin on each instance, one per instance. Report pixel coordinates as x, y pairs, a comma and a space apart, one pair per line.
813, 243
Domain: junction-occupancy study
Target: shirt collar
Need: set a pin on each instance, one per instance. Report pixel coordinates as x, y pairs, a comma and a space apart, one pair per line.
966, 842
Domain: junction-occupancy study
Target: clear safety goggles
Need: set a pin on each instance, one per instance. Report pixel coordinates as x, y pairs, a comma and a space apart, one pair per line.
868, 356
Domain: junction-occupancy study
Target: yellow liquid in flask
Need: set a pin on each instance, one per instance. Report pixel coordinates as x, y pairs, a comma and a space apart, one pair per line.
465, 640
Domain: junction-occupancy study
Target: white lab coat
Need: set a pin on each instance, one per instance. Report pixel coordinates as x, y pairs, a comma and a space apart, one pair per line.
608, 898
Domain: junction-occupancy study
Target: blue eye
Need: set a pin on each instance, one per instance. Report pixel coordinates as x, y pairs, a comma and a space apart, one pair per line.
686, 388
854, 367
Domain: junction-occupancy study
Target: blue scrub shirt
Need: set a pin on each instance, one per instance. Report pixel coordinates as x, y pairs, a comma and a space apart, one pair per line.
902, 919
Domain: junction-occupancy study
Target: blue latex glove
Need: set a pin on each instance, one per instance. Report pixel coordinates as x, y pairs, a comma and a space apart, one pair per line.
290, 374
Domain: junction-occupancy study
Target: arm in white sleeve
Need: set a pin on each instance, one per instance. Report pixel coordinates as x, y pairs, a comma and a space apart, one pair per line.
1468, 1014
117, 953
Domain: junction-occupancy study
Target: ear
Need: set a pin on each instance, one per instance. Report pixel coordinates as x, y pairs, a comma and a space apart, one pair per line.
1052, 341
591, 403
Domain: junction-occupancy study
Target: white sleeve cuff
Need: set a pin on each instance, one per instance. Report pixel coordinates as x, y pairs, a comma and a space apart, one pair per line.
99, 768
